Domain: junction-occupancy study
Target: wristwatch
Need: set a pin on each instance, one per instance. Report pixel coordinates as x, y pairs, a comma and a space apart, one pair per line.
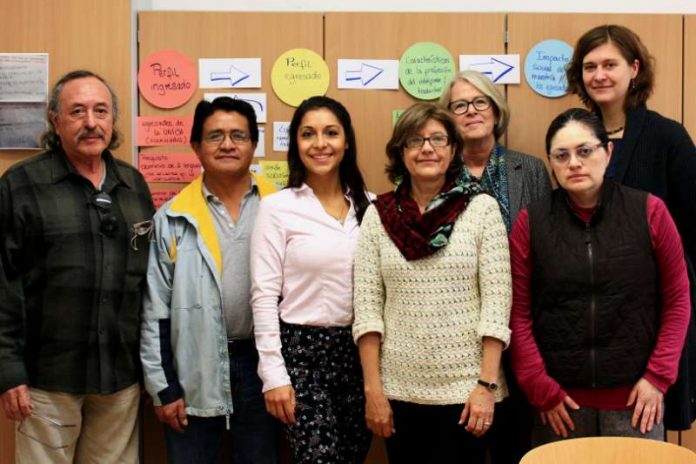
492, 386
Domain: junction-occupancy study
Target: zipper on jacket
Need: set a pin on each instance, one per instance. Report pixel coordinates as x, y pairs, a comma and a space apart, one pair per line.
593, 303
227, 420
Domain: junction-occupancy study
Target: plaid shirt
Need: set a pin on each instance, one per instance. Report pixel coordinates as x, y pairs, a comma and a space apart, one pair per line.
70, 296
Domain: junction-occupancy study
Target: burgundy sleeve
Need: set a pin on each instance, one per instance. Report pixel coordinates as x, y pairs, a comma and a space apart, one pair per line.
542, 391
674, 289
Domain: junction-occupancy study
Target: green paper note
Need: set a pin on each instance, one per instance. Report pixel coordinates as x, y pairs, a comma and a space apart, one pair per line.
424, 70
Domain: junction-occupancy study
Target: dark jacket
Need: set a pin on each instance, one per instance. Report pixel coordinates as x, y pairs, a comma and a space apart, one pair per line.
528, 180
659, 157
595, 288
71, 289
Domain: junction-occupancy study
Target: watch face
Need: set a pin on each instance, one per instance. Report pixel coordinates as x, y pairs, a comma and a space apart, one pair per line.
489, 385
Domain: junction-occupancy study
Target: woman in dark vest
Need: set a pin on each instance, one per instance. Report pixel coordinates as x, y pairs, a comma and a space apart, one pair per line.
600, 295
613, 74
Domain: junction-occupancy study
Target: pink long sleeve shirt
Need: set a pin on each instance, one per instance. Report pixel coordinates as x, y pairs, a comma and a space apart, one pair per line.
302, 254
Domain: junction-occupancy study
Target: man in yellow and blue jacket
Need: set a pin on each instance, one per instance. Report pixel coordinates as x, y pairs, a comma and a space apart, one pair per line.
197, 349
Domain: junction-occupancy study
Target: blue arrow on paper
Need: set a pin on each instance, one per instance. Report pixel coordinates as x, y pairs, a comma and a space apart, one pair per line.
366, 74
494, 69
253, 102
234, 75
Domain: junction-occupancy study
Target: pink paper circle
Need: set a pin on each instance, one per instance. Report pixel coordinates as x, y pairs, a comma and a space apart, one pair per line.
167, 79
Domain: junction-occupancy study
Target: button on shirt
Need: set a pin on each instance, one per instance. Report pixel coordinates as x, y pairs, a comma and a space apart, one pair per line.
234, 246
301, 271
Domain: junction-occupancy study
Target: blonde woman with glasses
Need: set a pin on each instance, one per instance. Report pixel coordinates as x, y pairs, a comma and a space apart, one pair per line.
515, 179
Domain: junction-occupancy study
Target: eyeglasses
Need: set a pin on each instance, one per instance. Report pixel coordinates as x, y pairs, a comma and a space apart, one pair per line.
582, 153
462, 106
51, 433
218, 137
108, 223
436, 140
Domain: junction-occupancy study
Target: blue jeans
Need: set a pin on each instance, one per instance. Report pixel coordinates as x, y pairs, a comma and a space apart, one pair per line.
254, 432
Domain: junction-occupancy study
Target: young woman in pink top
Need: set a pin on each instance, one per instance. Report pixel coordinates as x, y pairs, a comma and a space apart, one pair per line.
600, 295
302, 289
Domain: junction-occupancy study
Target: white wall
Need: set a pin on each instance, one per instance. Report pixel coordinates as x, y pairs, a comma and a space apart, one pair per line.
530, 6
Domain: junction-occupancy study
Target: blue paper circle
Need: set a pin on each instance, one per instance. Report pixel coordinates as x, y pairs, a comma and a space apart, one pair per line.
544, 67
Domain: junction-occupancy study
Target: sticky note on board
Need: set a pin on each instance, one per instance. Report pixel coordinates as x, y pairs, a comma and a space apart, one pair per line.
298, 74
256, 100
227, 73
396, 114
261, 144
163, 130
169, 167
281, 135
500, 69
167, 79
424, 70
367, 74
275, 171
161, 196
23, 77
545, 67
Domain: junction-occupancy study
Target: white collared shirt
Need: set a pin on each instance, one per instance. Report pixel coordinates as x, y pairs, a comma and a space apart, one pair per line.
301, 272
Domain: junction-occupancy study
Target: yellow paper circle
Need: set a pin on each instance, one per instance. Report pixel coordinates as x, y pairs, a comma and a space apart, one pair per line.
298, 74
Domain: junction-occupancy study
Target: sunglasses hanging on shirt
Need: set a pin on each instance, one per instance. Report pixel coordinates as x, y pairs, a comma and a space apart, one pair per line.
108, 223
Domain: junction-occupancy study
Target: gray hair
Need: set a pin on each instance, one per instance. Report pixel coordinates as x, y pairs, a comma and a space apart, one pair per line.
50, 139
486, 87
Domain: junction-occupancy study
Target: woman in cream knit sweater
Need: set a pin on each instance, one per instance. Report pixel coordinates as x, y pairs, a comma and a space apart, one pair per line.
432, 299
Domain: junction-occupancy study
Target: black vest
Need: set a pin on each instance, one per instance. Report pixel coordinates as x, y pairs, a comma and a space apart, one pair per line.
595, 288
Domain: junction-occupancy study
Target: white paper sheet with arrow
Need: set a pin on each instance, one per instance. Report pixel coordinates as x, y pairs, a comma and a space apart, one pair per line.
368, 74
256, 100
229, 73
501, 69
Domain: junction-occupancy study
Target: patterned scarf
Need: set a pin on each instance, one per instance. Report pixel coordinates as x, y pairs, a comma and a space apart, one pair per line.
494, 180
415, 235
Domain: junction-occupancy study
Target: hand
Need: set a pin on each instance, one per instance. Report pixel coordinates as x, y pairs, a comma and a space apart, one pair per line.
559, 418
280, 403
378, 414
648, 410
479, 410
173, 414
16, 402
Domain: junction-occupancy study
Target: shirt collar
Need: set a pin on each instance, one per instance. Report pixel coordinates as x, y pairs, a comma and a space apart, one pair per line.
210, 196
304, 188
62, 168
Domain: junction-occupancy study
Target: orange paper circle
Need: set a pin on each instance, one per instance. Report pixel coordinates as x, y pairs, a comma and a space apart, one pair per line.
167, 79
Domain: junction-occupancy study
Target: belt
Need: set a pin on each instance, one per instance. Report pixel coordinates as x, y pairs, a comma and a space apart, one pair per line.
241, 347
